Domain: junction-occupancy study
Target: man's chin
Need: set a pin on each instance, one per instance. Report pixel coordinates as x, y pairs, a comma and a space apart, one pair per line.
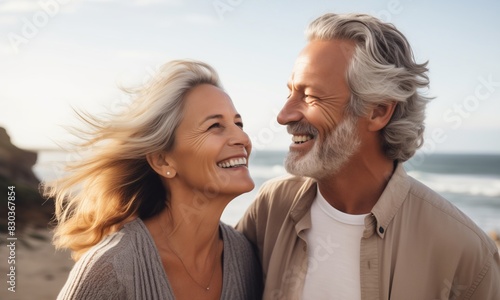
290, 161
300, 164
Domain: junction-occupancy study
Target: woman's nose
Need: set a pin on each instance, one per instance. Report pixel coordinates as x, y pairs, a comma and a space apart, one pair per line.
239, 137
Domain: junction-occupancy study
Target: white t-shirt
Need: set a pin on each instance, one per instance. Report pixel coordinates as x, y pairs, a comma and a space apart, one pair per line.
333, 253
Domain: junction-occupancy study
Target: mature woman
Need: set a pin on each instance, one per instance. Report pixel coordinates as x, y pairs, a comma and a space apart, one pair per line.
141, 213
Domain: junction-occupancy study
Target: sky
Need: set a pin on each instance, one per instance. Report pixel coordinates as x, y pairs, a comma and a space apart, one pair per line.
60, 55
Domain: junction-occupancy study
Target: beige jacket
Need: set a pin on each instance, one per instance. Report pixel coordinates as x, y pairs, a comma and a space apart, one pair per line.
416, 245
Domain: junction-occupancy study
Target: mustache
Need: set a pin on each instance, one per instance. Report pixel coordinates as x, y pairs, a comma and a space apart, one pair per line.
301, 127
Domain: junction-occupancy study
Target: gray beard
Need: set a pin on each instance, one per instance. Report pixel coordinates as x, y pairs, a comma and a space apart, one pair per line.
327, 158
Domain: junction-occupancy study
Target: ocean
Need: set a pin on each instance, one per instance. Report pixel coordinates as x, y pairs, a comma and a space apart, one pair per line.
470, 181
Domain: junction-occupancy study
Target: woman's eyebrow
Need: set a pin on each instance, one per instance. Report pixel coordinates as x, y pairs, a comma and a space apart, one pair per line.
211, 117
218, 116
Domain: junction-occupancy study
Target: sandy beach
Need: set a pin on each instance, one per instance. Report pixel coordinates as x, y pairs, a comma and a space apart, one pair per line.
41, 271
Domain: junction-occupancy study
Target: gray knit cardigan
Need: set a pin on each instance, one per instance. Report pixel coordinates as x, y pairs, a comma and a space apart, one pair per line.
127, 265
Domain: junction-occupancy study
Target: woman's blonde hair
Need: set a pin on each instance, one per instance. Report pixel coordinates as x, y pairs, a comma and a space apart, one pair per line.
115, 183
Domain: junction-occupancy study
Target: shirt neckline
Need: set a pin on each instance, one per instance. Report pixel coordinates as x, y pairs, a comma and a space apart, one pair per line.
336, 214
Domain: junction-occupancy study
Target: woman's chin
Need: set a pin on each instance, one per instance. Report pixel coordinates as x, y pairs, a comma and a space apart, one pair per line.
241, 188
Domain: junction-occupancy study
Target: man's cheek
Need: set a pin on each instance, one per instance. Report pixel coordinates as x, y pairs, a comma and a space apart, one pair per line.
323, 120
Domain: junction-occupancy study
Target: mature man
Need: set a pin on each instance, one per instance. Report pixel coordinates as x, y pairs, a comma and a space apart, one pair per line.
351, 224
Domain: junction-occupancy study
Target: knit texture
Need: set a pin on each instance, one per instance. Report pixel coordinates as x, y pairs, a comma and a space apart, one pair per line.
127, 265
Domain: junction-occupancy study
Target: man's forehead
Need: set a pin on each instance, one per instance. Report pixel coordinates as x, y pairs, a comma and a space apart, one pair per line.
321, 52
320, 59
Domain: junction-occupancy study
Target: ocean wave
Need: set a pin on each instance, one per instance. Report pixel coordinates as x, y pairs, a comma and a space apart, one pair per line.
460, 184
472, 185
269, 166
266, 172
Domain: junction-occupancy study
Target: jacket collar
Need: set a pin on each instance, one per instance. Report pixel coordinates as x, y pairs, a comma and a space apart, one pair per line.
300, 211
391, 200
381, 215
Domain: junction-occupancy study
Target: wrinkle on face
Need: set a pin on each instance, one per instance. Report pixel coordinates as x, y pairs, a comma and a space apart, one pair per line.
319, 78
191, 141
200, 146
319, 95
330, 111
192, 151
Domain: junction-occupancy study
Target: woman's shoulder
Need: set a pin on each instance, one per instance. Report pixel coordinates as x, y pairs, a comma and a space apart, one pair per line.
242, 271
236, 245
112, 258
116, 250
232, 236
85, 278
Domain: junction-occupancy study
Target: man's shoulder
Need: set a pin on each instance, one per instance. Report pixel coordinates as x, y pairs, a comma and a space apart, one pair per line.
279, 196
286, 184
443, 217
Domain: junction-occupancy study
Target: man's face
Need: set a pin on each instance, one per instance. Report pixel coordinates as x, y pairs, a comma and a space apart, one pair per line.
324, 138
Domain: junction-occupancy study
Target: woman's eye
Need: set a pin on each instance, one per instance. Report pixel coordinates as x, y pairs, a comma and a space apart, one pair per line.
215, 125
239, 124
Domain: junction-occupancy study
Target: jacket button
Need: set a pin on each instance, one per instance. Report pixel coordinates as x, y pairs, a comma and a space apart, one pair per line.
381, 229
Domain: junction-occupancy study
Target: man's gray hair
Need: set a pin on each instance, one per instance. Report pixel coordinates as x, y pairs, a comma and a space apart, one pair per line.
383, 69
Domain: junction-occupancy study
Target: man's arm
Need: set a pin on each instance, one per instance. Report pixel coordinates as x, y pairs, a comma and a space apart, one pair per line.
488, 283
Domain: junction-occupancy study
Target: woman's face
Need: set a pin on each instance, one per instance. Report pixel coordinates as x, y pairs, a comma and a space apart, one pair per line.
211, 150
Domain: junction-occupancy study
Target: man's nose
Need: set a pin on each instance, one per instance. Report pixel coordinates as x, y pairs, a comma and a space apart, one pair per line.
291, 111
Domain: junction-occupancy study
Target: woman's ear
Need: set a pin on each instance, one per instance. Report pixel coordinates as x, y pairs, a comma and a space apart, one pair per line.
381, 115
158, 162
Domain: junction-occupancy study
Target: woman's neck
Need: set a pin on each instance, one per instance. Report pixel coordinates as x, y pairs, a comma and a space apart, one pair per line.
189, 225
186, 235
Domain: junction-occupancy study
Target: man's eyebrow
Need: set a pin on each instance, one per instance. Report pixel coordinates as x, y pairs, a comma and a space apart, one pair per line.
291, 85
218, 116
302, 86
295, 86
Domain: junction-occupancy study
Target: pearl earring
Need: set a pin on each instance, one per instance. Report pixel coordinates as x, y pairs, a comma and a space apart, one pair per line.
168, 173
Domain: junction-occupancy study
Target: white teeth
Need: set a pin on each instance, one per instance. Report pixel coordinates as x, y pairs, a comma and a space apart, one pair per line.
301, 138
233, 162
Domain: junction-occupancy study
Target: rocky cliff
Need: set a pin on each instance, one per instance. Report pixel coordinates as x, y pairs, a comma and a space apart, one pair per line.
16, 169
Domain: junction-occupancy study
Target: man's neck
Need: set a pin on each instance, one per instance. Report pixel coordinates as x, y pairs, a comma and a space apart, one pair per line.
356, 188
